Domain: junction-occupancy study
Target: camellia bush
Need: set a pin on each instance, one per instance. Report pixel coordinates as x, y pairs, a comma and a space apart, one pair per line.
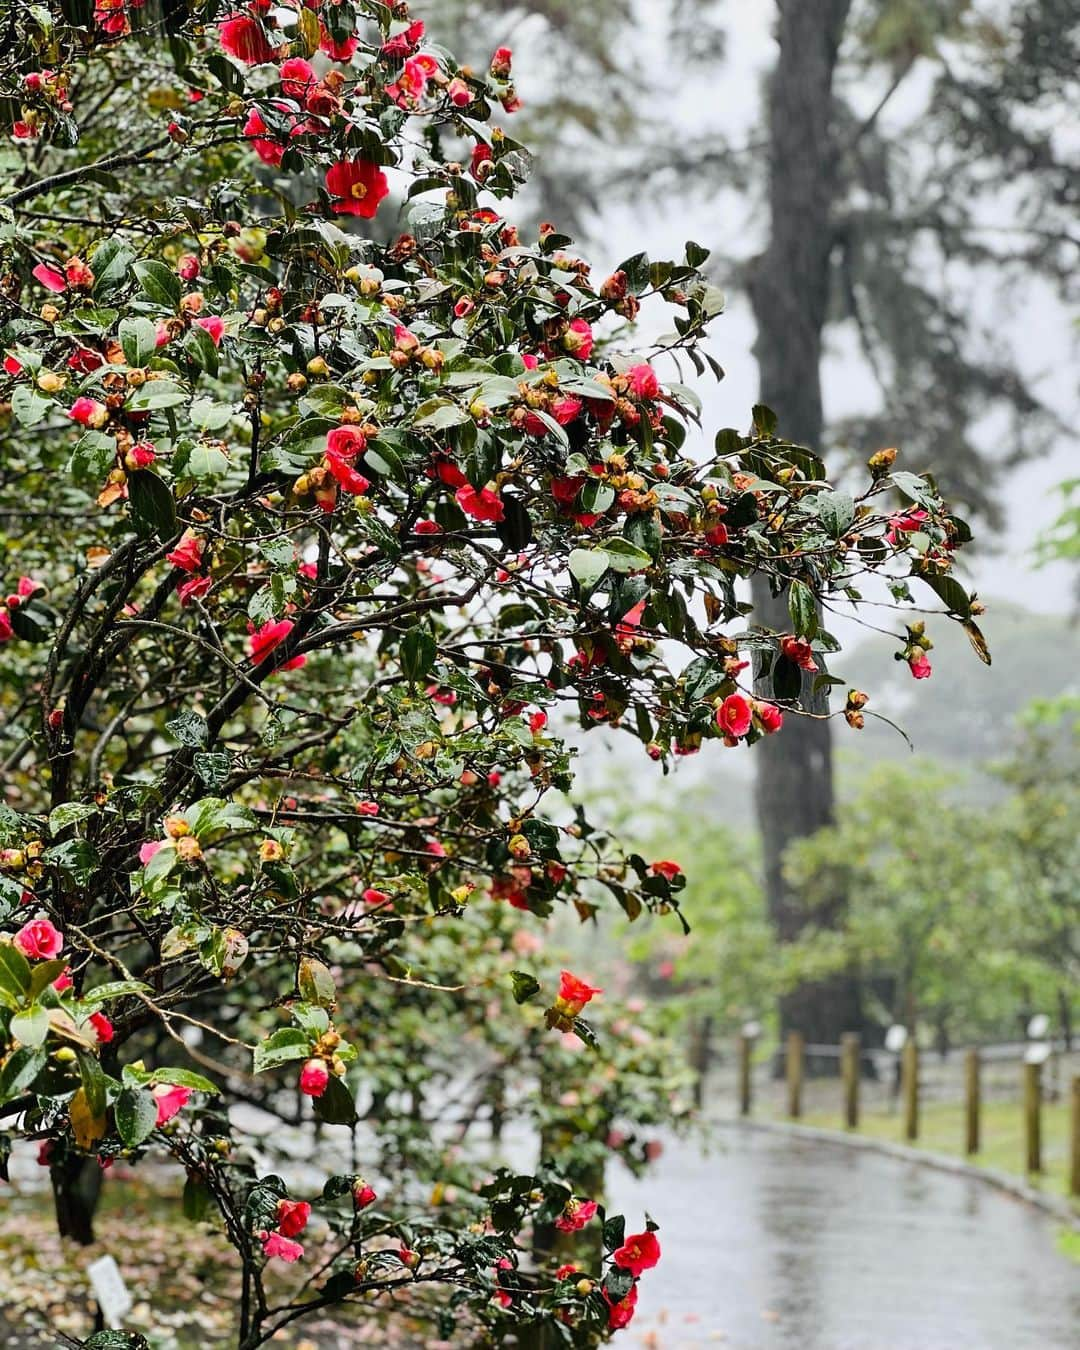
327, 497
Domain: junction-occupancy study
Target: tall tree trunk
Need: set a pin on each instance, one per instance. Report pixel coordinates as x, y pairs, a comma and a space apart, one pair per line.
789, 290
76, 1184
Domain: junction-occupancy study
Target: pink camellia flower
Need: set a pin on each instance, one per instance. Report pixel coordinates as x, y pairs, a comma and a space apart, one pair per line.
576, 1214
404, 43
798, 650
246, 39
735, 715
187, 555
63, 981
187, 267
297, 78
537, 722
88, 412
667, 869
919, 664
363, 1195
283, 1248
654, 1149
906, 522
79, 276
640, 1251
459, 93
103, 1028
501, 62
358, 187
39, 940
84, 360
643, 380
292, 1217
408, 1257
147, 851
170, 1099
374, 897
314, 1078
464, 307
566, 410
621, 1314
346, 442
367, 808
193, 589
573, 994
271, 635
480, 503
50, 277
213, 325
578, 339
427, 527
770, 717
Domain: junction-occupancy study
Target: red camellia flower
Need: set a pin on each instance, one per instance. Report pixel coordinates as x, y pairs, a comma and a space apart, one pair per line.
358, 186
770, 717
214, 326
735, 715
907, 522
297, 78
63, 981
245, 39
621, 1314
39, 940
919, 664
193, 589
88, 412
103, 1028
292, 1217
373, 897
798, 650
187, 555
363, 1195
255, 129
347, 477
666, 868
335, 50
573, 994
271, 635
640, 1251
170, 1099
576, 1214
276, 1245
480, 503
314, 1077
52, 279
717, 535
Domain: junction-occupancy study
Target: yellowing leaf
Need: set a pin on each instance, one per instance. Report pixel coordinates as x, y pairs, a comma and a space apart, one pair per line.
87, 1127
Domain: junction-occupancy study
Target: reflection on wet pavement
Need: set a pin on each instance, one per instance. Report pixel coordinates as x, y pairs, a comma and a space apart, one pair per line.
778, 1243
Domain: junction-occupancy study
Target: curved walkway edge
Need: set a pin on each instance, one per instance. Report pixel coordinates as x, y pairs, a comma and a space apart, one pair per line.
1015, 1186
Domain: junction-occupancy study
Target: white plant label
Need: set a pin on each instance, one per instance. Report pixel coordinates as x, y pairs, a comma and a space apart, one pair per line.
110, 1291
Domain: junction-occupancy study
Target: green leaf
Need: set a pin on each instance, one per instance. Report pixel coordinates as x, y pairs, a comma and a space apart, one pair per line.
950, 592
524, 986
43, 974
14, 969
203, 461
138, 338
76, 857
31, 1027
20, 1069
69, 813
188, 728
316, 984
837, 511
802, 609
199, 346
196, 1200
155, 395
765, 420
152, 503
181, 1078
102, 993
159, 282
417, 653
623, 556
28, 405
111, 262
136, 1115
207, 415
336, 1105
282, 1047
93, 1081
587, 566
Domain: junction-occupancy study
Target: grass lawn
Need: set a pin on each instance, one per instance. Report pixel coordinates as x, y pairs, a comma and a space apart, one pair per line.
941, 1130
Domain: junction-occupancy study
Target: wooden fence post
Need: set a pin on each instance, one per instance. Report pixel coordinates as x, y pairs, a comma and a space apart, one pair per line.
850, 1055
1074, 1147
909, 1063
971, 1101
794, 1073
1033, 1116
746, 1046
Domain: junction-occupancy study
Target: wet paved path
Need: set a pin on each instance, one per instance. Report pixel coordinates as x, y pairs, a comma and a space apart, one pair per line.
778, 1243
